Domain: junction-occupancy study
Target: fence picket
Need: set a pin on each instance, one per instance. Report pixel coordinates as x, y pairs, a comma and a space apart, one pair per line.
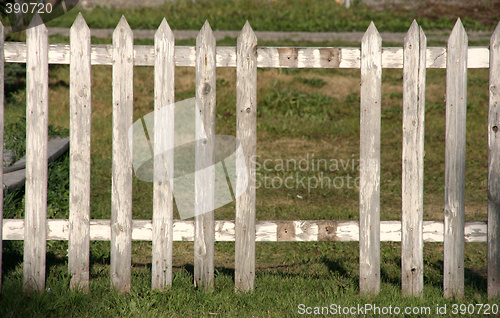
121, 195
2, 105
37, 118
412, 258
454, 174
246, 133
494, 168
205, 157
80, 130
163, 200
369, 173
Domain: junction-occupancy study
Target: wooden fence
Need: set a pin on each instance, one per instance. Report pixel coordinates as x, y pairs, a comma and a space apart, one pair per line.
162, 230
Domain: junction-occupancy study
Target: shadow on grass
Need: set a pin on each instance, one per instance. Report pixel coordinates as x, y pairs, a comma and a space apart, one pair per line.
334, 266
189, 268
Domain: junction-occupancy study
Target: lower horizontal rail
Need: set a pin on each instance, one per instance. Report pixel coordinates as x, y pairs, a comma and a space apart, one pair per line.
266, 231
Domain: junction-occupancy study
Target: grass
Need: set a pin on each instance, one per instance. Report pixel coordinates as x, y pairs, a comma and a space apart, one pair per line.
301, 114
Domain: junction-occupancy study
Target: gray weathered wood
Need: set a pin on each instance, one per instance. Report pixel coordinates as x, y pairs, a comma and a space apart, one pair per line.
79, 171
163, 200
454, 174
369, 173
246, 133
2, 105
307, 57
205, 157
121, 194
265, 231
412, 257
494, 168
37, 117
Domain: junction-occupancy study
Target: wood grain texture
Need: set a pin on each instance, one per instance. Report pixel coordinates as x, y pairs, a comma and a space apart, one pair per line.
246, 133
121, 184
79, 176
494, 168
307, 57
369, 172
412, 257
205, 159
2, 107
265, 231
37, 118
454, 187
163, 199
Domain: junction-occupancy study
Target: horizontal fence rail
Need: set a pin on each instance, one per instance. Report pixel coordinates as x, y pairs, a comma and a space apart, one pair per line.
267, 57
265, 231
371, 57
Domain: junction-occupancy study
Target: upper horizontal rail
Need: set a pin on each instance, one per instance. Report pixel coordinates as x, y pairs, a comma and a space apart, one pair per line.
267, 57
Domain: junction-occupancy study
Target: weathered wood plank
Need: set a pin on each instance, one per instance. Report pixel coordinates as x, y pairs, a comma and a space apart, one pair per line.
121, 194
79, 177
412, 256
454, 187
2, 107
494, 168
163, 200
205, 159
246, 133
369, 172
307, 57
266, 231
37, 117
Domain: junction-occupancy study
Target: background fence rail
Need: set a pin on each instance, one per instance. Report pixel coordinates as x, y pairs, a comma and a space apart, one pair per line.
246, 57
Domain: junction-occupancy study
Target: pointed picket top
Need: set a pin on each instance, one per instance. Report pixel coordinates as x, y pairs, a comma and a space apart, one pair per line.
79, 22
247, 33
36, 21
205, 32
80, 27
205, 42
164, 31
458, 32
122, 27
495, 37
371, 32
413, 31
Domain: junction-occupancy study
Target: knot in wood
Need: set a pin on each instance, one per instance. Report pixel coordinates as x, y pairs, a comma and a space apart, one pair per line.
206, 88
